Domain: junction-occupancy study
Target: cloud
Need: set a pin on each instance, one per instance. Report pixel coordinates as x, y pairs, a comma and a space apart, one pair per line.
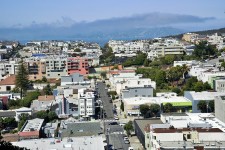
135, 21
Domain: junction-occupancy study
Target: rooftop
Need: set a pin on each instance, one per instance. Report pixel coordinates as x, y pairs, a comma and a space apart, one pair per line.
10, 80
142, 123
7, 113
176, 130
33, 125
75, 143
204, 95
46, 98
82, 129
157, 100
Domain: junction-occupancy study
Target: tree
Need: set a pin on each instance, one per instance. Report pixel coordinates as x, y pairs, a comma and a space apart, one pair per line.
211, 106
155, 109
44, 79
223, 65
202, 106
42, 115
23, 117
47, 90
144, 109
8, 146
160, 77
103, 75
176, 90
168, 108
122, 106
52, 115
77, 50
22, 79
129, 127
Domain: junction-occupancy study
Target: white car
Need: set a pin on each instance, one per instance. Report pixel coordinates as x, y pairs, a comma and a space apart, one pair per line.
116, 118
130, 148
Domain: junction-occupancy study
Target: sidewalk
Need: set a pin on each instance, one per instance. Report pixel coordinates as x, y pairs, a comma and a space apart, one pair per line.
135, 143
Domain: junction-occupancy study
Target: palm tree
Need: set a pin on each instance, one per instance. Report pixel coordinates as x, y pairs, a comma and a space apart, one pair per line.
184, 69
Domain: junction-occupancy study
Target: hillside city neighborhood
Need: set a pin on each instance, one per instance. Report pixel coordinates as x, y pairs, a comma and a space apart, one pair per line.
157, 94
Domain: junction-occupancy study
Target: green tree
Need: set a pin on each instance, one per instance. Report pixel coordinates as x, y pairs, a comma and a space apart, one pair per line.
42, 115
27, 100
77, 50
211, 106
122, 106
103, 75
47, 90
202, 106
129, 127
8, 146
155, 109
146, 62
160, 77
44, 79
198, 87
22, 120
144, 109
52, 115
223, 65
22, 79
176, 90
168, 108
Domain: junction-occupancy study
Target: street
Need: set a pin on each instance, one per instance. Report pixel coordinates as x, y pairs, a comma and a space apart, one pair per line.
107, 106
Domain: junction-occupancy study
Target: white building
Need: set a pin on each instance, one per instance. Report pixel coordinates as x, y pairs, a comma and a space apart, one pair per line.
131, 105
135, 82
86, 103
195, 97
22, 110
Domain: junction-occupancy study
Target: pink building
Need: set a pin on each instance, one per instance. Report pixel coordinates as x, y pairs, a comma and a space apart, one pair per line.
77, 65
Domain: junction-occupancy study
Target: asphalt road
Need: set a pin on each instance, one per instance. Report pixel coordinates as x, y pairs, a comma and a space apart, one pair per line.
115, 135
107, 106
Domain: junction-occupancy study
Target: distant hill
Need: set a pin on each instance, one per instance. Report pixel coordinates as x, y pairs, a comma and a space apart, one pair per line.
205, 32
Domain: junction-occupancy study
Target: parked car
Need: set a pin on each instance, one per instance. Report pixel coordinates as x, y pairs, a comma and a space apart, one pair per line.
125, 138
113, 123
130, 148
116, 118
126, 141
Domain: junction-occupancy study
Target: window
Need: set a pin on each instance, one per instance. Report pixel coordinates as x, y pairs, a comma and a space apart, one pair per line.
8, 88
188, 136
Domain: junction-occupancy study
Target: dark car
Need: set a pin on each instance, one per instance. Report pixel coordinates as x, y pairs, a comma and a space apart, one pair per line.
113, 123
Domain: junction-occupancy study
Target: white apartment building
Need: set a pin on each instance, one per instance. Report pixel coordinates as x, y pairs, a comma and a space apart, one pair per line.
7, 68
86, 103
56, 66
135, 82
217, 40
128, 47
165, 49
120, 76
187, 63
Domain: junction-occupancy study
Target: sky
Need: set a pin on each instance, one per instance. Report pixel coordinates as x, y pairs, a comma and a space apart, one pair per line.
20, 13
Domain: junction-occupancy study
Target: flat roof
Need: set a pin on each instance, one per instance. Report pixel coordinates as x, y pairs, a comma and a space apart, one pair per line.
142, 123
191, 145
75, 143
158, 100
204, 95
177, 130
33, 125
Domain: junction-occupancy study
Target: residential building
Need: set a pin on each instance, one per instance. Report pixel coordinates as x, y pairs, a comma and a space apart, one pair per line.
75, 143
36, 68
77, 65
146, 91
189, 37
50, 130
140, 125
8, 83
23, 110
74, 78
220, 107
195, 97
31, 129
7, 68
79, 129
87, 104
43, 103
135, 82
185, 138
56, 66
